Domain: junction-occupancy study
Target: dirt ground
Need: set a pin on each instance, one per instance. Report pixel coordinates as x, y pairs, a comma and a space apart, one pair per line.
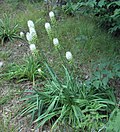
13, 52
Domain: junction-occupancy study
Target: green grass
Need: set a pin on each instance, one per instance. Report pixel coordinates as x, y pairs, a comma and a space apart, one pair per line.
72, 103
5, 99
5, 127
4, 55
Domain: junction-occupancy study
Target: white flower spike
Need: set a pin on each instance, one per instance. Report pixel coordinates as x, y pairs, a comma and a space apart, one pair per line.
51, 14
39, 70
21, 34
52, 17
69, 56
28, 37
56, 42
47, 26
30, 24
32, 31
32, 47
49, 30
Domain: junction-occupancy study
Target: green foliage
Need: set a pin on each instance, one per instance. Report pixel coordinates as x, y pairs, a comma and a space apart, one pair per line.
70, 8
69, 102
4, 55
107, 11
5, 99
103, 72
113, 124
8, 30
28, 70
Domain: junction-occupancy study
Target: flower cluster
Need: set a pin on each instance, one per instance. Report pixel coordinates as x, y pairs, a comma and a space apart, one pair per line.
56, 43
32, 48
31, 36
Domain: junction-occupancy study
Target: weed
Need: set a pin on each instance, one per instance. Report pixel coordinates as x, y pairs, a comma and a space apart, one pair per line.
68, 102
113, 123
8, 31
5, 125
26, 71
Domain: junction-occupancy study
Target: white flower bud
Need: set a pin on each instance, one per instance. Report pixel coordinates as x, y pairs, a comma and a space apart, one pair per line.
21, 34
52, 18
28, 37
47, 26
69, 56
30, 24
32, 31
55, 41
32, 47
51, 14
39, 70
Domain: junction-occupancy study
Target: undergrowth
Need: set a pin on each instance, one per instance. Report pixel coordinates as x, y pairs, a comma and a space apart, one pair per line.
70, 91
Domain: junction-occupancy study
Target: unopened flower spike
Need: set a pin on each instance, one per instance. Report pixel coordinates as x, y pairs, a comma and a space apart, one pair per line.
51, 14
32, 48
52, 17
22, 34
32, 31
33, 34
47, 26
56, 42
69, 56
48, 29
30, 24
40, 71
29, 37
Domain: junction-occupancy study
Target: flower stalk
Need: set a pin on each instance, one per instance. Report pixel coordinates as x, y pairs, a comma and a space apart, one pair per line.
49, 30
52, 17
31, 36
